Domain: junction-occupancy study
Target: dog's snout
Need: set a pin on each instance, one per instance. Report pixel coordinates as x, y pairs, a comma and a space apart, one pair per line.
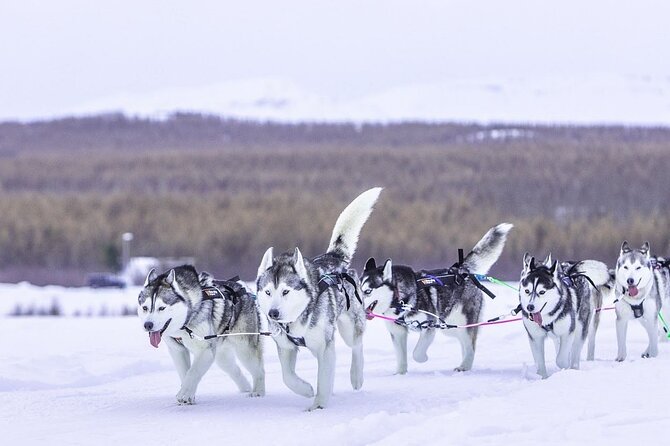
631, 281
148, 326
531, 308
273, 313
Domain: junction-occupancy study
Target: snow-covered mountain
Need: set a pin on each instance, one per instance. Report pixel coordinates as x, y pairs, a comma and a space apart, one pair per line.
590, 99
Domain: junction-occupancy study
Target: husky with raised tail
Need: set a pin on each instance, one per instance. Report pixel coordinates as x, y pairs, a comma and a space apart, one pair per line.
305, 299
559, 300
399, 292
642, 289
190, 312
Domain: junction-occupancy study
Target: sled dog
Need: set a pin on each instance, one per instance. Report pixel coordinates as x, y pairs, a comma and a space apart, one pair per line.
400, 292
559, 299
186, 311
305, 299
642, 289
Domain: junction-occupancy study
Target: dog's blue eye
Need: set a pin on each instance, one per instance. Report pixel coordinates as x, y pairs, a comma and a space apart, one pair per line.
527, 291
368, 291
144, 308
284, 293
161, 308
267, 292
542, 292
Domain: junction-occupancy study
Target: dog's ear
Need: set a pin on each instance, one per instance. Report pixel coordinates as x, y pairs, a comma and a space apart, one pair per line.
299, 264
645, 249
625, 248
548, 261
205, 279
554, 268
151, 276
526, 261
370, 264
266, 263
388, 271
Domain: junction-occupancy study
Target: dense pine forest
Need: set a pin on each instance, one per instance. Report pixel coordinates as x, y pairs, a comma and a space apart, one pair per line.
222, 191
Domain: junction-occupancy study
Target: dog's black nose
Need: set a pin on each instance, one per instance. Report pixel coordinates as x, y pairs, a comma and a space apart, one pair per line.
631, 281
273, 313
148, 326
531, 307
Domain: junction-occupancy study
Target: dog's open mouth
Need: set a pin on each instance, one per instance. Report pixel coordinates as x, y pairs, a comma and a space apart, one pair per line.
633, 290
155, 336
537, 316
370, 309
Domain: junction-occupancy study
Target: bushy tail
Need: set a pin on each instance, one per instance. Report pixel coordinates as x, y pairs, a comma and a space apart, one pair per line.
350, 222
488, 249
594, 270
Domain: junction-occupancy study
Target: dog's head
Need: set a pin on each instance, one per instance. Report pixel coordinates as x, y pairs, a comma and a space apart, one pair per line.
283, 286
377, 286
539, 287
633, 269
163, 305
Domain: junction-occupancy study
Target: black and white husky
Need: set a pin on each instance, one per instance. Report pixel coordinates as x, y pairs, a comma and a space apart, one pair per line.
642, 289
305, 299
559, 299
187, 311
398, 291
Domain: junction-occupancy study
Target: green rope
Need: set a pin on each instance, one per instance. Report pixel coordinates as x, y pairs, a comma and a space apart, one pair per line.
665, 325
496, 281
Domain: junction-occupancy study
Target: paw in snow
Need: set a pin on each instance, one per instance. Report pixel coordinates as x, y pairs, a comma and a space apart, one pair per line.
185, 397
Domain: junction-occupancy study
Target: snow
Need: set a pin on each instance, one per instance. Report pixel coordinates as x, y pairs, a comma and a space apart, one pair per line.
98, 381
576, 99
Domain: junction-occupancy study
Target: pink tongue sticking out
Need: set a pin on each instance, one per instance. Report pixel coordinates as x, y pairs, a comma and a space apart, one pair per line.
537, 318
632, 291
155, 338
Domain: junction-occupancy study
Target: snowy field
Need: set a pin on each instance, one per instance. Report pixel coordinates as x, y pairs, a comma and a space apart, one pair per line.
69, 380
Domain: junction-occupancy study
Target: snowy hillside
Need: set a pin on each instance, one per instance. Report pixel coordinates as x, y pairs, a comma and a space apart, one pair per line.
98, 381
595, 99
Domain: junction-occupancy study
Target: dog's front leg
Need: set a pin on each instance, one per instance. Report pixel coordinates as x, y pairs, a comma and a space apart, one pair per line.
425, 340
564, 350
180, 357
537, 348
202, 361
287, 359
650, 324
399, 338
326, 375
621, 329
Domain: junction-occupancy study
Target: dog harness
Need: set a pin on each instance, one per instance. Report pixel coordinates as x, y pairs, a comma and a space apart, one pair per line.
638, 310
456, 275
336, 280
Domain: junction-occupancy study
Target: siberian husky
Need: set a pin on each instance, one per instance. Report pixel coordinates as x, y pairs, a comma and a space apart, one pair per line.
305, 299
188, 311
398, 291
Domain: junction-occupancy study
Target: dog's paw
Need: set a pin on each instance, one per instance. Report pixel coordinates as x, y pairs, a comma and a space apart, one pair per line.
185, 397
256, 394
314, 407
620, 358
420, 357
460, 368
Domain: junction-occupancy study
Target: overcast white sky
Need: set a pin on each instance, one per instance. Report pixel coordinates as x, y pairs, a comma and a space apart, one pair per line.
57, 55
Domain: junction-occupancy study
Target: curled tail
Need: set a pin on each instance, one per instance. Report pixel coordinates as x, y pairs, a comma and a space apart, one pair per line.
594, 270
350, 222
488, 249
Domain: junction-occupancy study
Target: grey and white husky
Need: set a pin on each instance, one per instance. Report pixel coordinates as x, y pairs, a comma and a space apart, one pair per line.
397, 291
187, 310
559, 300
305, 299
642, 289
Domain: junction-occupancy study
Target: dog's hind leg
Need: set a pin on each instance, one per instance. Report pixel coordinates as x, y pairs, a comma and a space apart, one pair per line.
326, 375
225, 358
426, 338
467, 340
593, 329
399, 338
352, 333
250, 355
287, 358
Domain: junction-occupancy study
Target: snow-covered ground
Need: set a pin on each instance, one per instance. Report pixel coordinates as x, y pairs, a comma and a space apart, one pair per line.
98, 381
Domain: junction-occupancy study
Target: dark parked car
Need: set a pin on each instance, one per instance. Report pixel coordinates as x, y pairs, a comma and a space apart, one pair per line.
105, 280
